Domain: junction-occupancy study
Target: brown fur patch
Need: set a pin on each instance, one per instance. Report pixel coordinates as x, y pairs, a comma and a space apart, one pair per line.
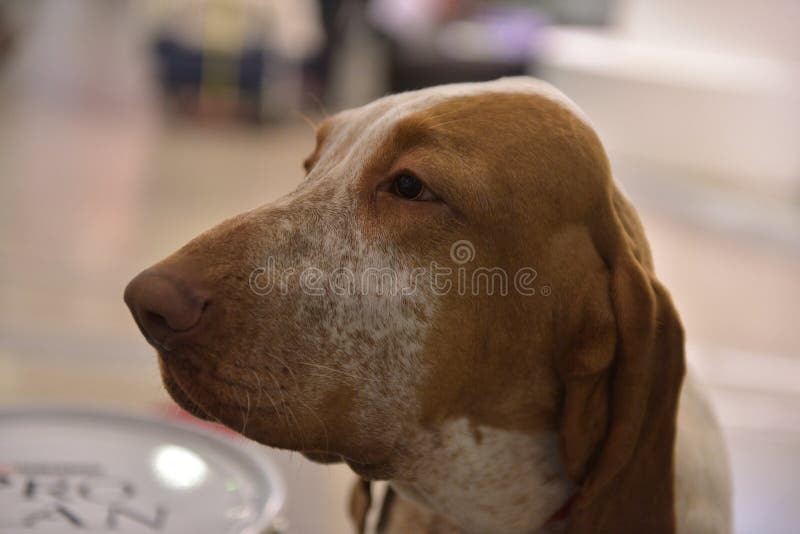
598, 357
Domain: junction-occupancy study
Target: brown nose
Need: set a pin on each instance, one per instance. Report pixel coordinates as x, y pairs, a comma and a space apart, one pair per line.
166, 308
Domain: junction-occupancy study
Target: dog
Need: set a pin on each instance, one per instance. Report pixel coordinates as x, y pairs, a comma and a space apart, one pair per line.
459, 300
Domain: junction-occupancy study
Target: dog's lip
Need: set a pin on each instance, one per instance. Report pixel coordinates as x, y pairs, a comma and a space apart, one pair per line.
185, 400
170, 343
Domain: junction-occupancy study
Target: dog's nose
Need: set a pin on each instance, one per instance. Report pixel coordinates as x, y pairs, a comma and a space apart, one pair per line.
166, 308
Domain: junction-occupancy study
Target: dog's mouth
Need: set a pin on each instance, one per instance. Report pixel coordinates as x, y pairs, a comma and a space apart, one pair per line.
180, 394
182, 383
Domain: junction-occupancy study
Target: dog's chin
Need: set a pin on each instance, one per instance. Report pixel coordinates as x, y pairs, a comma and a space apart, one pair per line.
323, 457
376, 471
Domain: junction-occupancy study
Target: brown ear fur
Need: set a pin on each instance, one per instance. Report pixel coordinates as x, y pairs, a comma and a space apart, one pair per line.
622, 377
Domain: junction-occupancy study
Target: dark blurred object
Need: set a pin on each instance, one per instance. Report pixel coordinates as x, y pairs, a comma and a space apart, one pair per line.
445, 41
235, 58
6, 35
182, 68
318, 69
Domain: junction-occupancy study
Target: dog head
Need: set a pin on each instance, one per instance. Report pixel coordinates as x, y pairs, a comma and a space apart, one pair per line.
460, 251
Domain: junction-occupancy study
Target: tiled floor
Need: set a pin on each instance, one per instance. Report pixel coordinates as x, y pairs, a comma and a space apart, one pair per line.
91, 194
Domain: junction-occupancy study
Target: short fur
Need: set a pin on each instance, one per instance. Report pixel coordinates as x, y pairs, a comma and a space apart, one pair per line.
486, 412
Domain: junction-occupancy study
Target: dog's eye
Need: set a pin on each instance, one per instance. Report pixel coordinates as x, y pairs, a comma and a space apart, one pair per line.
408, 186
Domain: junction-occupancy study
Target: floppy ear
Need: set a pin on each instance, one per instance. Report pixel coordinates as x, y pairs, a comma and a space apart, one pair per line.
622, 375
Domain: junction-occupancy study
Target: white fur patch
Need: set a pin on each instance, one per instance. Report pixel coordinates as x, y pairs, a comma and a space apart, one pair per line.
486, 479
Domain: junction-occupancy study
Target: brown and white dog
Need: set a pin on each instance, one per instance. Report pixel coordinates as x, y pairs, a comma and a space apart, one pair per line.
457, 299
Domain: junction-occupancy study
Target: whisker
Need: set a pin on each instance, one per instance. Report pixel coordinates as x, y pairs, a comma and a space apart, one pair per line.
261, 390
258, 386
247, 413
297, 425
277, 385
288, 408
280, 391
316, 415
330, 376
319, 103
308, 120
238, 402
189, 390
333, 370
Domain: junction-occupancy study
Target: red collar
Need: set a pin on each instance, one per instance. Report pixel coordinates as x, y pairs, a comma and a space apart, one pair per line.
563, 512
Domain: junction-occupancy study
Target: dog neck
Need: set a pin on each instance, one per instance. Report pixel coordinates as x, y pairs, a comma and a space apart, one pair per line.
485, 479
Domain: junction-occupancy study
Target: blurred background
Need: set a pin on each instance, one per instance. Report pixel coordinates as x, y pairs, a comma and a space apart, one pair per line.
129, 126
